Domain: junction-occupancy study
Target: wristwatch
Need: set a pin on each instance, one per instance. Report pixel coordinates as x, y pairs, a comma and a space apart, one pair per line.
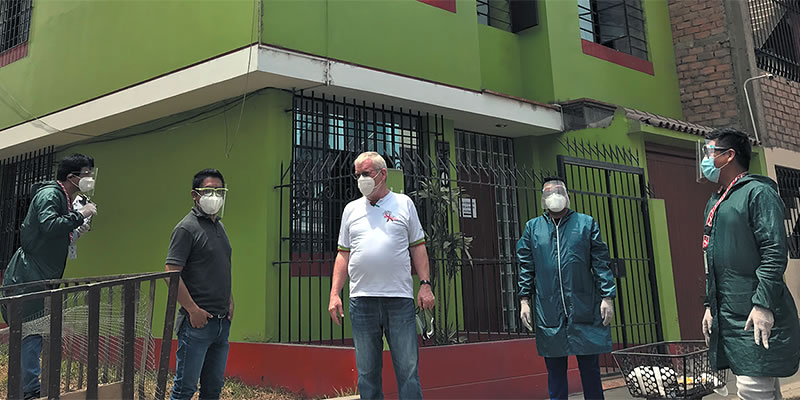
424, 282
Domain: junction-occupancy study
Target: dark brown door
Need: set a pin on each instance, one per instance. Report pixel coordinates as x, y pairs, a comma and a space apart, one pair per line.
480, 279
672, 173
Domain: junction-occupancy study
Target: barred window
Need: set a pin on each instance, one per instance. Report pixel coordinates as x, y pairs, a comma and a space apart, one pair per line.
776, 36
789, 187
508, 15
15, 23
17, 176
618, 24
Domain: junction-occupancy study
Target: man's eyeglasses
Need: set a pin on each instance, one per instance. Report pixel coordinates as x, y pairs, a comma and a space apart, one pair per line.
365, 174
709, 149
86, 173
211, 191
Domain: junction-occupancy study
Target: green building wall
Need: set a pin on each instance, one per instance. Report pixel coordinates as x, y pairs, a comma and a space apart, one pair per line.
143, 191
79, 50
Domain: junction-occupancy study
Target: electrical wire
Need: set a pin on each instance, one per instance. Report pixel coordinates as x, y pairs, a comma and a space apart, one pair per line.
34, 117
221, 108
256, 17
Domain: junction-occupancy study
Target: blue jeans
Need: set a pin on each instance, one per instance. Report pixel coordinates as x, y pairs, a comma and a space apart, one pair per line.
202, 355
31, 351
589, 367
373, 317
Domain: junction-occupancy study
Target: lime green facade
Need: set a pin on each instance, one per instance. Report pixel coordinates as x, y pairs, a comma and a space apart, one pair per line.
144, 190
81, 50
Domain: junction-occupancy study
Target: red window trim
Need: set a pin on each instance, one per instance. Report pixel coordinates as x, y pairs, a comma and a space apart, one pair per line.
617, 57
449, 5
13, 54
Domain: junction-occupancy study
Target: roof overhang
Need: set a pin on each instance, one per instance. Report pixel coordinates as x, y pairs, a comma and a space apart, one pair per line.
256, 67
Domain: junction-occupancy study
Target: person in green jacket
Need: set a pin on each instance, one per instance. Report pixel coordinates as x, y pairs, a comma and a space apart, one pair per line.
45, 236
564, 266
750, 323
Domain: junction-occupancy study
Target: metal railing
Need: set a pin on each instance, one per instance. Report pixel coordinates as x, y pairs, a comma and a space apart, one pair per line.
75, 305
776, 36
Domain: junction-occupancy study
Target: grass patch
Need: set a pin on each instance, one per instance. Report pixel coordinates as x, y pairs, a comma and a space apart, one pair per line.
234, 389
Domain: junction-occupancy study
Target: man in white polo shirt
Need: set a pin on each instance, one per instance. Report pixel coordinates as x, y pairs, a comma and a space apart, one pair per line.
379, 238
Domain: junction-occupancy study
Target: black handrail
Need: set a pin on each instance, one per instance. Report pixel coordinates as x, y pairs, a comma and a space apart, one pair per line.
92, 286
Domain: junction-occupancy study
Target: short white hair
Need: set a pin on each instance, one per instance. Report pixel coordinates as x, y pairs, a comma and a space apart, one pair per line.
378, 163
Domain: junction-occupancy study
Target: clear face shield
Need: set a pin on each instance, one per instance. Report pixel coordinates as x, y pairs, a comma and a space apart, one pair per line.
87, 178
706, 151
212, 200
554, 196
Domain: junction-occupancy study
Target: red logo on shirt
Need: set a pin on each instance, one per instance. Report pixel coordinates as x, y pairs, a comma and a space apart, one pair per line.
388, 216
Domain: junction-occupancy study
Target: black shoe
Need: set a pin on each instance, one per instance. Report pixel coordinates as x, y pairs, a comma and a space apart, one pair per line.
32, 395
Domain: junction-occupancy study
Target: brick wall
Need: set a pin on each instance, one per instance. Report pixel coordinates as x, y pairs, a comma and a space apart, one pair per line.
704, 62
781, 101
710, 94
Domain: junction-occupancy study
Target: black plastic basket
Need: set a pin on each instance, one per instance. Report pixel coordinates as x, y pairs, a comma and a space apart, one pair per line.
660, 370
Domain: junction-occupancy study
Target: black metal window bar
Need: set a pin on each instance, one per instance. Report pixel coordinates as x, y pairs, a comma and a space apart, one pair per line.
618, 24
488, 173
481, 198
15, 23
328, 134
607, 183
496, 13
789, 187
509, 15
96, 335
776, 36
17, 175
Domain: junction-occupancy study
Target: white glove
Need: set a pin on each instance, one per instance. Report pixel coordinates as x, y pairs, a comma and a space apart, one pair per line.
761, 320
82, 229
707, 321
607, 310
89, 210
525, 313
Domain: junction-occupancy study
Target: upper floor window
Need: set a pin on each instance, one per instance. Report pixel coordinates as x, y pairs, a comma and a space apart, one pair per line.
508, 15
776, 36
15, 23
617, 24
789, 188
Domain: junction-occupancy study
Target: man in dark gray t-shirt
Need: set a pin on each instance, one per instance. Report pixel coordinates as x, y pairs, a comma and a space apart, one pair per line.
200, 250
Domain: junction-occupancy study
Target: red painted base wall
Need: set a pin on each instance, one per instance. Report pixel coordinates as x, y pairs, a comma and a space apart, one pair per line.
499, 370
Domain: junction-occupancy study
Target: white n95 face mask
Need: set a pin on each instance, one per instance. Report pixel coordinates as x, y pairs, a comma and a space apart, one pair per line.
556, 202
366, 185
86, 184
211, 204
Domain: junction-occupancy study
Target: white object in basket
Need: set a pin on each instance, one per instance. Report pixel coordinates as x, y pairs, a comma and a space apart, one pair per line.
652, 381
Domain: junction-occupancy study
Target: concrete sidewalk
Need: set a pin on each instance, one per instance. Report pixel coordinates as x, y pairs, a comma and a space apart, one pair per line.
790, 388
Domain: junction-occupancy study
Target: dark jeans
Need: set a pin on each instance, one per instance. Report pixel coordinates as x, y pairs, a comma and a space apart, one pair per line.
202, 355
372, 318
589, 367
30, 353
